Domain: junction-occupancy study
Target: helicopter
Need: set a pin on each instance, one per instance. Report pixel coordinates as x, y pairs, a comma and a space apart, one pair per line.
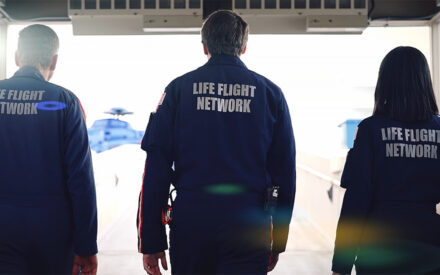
109, 133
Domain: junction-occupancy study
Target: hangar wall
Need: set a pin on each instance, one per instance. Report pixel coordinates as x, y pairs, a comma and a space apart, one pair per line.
3, 35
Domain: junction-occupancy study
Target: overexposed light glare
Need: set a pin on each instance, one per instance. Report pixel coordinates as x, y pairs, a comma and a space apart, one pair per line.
326, 79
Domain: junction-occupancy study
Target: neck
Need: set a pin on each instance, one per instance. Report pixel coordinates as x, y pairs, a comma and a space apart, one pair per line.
209, 56
46, 73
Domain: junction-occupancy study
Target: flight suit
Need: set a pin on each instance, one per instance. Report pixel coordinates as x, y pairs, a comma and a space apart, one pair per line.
388, 222
222, 135
47, 192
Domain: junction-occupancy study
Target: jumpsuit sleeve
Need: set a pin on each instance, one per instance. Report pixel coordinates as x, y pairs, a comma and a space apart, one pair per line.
281, 167
80, 180
153, 199
357, 179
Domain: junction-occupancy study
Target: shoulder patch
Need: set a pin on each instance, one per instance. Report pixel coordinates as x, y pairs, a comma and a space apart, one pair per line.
82, 109
161, 100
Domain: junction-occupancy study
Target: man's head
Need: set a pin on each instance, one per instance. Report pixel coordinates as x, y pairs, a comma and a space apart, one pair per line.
225, 33
38, 47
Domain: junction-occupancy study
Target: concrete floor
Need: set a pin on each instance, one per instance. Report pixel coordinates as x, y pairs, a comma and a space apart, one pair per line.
118, 186
308, 252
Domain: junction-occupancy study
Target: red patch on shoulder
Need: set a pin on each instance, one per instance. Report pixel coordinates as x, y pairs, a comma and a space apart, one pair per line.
82, 109
355, 134
161, 100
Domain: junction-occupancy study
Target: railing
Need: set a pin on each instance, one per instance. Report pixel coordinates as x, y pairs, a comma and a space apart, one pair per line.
320, 197
318, 174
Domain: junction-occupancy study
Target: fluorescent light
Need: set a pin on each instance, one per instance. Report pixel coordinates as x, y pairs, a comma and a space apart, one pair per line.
335, 30
172, 30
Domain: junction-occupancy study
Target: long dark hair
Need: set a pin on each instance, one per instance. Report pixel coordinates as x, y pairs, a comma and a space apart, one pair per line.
404, 89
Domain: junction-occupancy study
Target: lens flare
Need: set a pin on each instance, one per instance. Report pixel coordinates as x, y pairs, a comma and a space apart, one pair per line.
50, 105
225, 189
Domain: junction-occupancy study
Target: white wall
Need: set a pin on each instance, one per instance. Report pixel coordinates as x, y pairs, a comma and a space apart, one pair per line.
3, 37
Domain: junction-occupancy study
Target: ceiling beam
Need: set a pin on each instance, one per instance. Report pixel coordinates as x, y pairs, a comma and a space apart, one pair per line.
56, 10
33, 10
402, 9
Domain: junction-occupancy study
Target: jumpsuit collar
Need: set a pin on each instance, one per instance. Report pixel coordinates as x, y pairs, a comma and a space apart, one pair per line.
29, 72
225, 60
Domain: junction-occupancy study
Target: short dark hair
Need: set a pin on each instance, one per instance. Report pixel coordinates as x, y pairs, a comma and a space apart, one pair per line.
225, 33
404, 88
37, 45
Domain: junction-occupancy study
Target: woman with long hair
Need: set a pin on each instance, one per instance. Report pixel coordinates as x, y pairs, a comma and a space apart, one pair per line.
388, 221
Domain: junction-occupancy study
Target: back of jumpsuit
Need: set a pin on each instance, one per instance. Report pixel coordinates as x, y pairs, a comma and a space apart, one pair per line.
228, 132
388, 222
47, 190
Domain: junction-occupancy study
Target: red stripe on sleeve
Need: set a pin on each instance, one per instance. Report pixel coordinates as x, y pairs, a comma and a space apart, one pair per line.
82, 109
140, 218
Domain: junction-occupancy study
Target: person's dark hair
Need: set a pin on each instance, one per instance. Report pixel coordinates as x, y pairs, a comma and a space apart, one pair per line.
404, 89
37, 45
225, 33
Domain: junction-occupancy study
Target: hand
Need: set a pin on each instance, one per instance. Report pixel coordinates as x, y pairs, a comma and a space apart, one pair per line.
89, 265
151, 263
273, 260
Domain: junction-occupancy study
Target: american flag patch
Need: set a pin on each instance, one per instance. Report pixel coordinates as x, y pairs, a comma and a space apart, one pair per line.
355, 134
161, 100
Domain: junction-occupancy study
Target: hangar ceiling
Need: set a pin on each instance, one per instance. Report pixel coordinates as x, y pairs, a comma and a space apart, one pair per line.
57, 10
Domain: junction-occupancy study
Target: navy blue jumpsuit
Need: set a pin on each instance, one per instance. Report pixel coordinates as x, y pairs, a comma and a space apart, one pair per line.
47, 191
388, 222
228, 132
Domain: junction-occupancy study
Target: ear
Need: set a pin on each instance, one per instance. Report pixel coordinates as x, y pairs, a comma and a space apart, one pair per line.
53, 65
205, 49
244, 50
16, 60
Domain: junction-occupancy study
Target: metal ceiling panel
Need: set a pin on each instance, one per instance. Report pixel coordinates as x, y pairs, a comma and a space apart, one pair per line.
58, 10
179, 16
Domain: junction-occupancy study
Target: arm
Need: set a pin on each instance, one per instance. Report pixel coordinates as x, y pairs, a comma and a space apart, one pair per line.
357, 179
158, 143
281, 167
80, 181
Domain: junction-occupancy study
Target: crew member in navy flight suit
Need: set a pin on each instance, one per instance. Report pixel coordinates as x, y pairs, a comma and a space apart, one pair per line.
47, 193
388, 222
227, 132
